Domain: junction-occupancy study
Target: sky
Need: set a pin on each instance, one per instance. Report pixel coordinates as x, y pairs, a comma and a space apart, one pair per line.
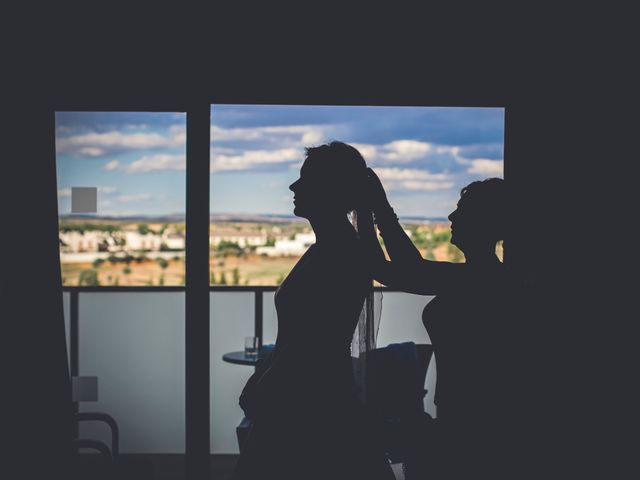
423, 155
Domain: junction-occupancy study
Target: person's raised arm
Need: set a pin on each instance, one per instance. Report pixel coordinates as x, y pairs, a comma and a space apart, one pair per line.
407, 270
391, 274
398, 244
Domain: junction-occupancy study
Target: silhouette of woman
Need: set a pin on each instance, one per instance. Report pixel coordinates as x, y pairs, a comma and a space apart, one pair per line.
468, 324
307, 422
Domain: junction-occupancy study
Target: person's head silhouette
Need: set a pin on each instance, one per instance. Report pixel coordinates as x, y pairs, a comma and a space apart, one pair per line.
478, 222
330, 183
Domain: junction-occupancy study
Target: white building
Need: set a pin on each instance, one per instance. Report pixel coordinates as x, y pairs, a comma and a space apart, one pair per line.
174, 241
286, 247
244, 238
90, 241
98, 241
136, 241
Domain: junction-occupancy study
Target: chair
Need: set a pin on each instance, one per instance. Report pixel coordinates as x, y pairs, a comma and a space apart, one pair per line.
109, 464
395, 394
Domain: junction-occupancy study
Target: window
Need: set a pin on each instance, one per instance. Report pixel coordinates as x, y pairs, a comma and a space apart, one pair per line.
136, 164
423, 155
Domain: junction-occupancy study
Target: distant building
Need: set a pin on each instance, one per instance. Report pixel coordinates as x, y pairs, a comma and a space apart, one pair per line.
77, 242
174, 240
242, 237
136, 241
286, 247
127, 241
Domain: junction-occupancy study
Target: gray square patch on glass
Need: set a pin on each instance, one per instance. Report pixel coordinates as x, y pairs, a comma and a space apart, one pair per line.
84, 389
84, 199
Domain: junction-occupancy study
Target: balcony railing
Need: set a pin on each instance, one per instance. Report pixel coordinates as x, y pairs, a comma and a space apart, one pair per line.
132, 339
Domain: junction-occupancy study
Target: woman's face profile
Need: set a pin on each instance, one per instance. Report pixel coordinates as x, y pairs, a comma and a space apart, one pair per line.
453, 217
325, 187
305, 191
462, 224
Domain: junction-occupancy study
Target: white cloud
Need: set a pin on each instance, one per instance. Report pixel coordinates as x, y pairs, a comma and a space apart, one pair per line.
150, 163
105, 189
230, 160
134, 197
91, 151
397, 151
97, 144
443, 156
406, 150
413, 179
112, 165
486, 167
409, 174
422, 185
300, 135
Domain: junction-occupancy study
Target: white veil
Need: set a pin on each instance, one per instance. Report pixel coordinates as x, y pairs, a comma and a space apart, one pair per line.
366, 333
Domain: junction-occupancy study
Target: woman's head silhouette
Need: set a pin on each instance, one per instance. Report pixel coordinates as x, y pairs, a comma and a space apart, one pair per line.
479, 221
331, 181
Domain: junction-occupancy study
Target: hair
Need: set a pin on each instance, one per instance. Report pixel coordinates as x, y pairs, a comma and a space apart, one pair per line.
346, 166
488, 199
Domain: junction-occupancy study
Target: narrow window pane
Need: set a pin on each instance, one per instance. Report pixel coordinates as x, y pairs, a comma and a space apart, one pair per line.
121, 197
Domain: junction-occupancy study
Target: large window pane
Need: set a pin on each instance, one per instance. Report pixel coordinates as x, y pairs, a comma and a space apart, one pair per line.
423, 155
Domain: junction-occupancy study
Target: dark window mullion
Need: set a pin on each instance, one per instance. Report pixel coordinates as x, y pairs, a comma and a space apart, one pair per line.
197, 294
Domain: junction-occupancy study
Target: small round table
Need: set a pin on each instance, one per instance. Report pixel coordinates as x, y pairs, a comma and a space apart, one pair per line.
240, 358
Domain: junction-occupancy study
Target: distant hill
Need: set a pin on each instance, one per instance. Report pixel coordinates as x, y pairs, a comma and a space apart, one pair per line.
220, 218
171, 218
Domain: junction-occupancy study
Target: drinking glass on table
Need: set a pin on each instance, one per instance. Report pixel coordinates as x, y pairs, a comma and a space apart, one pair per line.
251, 346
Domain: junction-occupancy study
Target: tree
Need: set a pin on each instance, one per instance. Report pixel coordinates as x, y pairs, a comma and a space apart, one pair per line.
97, 262
127, 271
212, 278
162, 263
88, 278
143, 229
223, 279
119, 240
226, 248
235, 276
455, 255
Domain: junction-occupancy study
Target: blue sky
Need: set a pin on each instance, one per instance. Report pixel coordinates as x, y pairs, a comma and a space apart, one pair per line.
423, 155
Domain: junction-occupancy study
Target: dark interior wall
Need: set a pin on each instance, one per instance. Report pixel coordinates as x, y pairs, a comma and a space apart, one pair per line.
538, 78
36, 388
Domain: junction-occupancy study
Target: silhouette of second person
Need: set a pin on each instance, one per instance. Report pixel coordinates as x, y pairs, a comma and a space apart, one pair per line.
472, 327
307, 422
